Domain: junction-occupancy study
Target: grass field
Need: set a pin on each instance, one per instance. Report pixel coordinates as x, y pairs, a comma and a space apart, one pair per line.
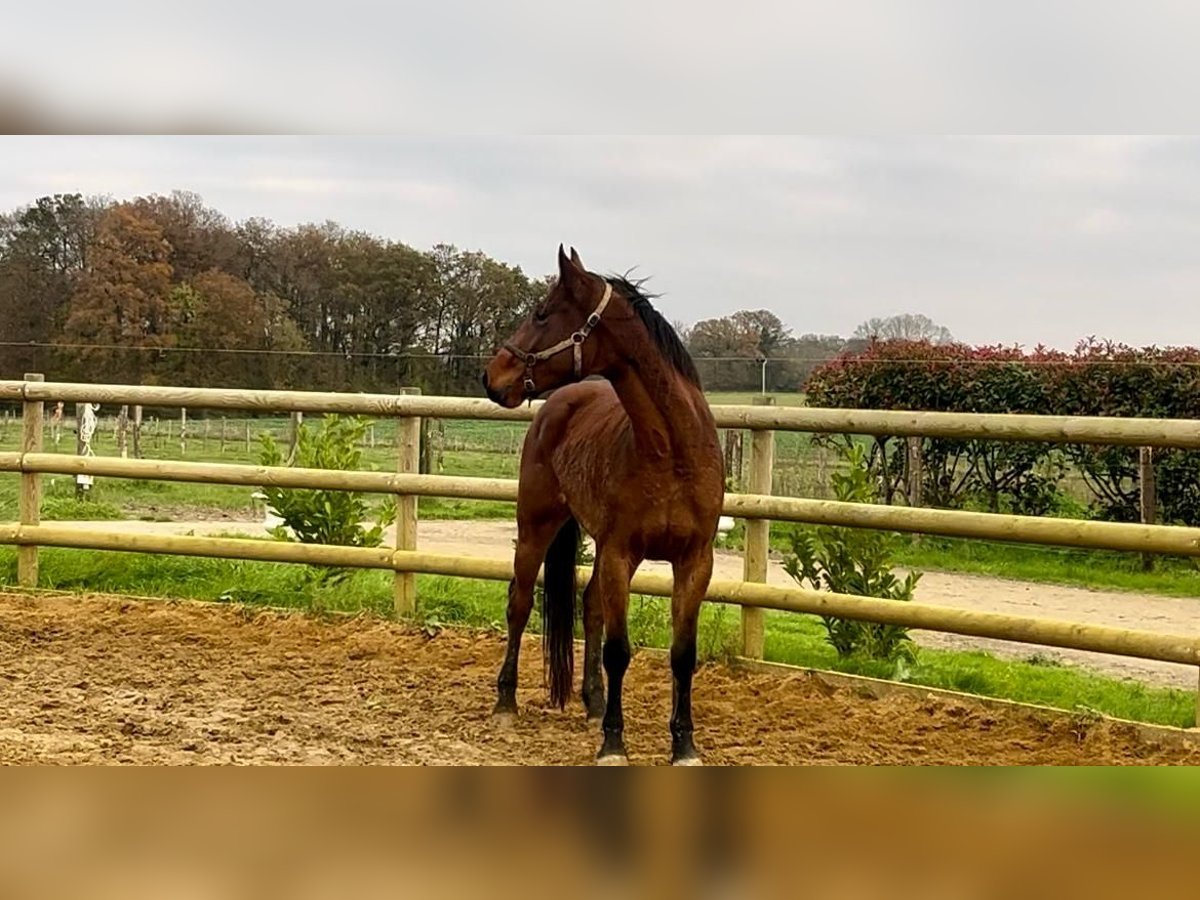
790, 638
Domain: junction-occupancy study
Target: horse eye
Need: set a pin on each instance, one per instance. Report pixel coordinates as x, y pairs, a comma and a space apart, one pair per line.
540, 315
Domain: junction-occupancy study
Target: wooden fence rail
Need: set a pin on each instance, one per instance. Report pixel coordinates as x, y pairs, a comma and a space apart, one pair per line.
759, 508
1120, 536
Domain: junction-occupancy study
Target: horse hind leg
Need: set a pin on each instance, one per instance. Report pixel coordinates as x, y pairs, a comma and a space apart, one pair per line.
533, 539
593, 634
691, 583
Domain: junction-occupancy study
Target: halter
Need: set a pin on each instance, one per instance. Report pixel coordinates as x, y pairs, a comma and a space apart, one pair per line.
531, 358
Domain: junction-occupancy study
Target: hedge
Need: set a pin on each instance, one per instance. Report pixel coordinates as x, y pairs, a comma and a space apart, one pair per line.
1097, 379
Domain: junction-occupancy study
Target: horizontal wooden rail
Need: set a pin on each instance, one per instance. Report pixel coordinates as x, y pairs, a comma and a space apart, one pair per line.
1129, 537
963, 426
454, 486
1077, 636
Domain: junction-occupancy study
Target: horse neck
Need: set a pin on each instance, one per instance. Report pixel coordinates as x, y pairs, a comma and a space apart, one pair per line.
668, 413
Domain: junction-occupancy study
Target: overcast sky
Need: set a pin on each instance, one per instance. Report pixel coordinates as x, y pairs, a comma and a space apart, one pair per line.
1022, 240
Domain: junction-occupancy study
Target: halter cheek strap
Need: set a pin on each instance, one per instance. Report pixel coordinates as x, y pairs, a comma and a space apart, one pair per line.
574, 343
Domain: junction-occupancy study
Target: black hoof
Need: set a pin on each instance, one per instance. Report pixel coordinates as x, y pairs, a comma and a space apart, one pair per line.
612, 752
594, 708
683, 752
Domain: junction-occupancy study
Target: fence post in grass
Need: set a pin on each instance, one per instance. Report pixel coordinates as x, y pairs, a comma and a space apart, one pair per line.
408, 460
137, 431
30, 505
183, 432
1147, 496
297, 420
758, 536
123, 432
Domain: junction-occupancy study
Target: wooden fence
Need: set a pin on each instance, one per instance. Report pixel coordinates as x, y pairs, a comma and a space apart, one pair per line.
759, 509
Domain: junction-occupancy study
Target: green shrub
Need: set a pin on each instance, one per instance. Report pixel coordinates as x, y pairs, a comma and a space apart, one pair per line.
854, 561
325, 517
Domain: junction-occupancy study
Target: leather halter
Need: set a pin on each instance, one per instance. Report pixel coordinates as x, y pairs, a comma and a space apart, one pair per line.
574, 341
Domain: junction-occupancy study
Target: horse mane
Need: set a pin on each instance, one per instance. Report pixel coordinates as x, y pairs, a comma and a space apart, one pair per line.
661, 333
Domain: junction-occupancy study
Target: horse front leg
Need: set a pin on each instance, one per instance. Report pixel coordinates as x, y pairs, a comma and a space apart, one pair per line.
691, 582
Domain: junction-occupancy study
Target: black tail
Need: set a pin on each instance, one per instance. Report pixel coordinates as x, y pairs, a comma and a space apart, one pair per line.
558, 613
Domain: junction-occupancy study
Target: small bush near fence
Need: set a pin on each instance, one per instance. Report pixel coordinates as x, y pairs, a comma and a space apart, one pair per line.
854, 561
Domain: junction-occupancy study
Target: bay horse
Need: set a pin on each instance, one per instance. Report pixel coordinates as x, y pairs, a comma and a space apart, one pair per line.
633, 459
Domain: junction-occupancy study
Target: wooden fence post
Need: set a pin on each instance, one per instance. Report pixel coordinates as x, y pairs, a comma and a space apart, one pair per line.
408, 460
183, 431
31, 487
294, 436
1147, 496
758, 539
733, 458
123, 432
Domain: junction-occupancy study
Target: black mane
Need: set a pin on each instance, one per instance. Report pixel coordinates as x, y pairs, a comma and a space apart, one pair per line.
660, 329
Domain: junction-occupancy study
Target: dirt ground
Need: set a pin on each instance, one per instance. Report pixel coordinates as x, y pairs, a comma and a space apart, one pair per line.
1172, 615
110, 680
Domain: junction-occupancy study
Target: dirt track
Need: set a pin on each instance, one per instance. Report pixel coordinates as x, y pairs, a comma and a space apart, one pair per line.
96, 679
1114, 608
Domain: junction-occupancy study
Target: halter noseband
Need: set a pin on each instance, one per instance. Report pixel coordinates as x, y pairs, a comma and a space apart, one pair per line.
576, 339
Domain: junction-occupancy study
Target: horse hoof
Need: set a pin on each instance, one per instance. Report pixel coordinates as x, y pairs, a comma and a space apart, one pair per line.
688, 761
613, 759
505, 720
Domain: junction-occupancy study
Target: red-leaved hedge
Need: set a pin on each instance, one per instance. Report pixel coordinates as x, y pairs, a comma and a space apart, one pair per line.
1096, 379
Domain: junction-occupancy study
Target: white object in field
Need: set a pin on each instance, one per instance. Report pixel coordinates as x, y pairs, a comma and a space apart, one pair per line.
87, 430
724, 525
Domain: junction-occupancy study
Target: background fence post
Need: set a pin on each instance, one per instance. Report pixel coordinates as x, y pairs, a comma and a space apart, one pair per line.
408, 460
31, 487
297, 421
758, 539
1147, 496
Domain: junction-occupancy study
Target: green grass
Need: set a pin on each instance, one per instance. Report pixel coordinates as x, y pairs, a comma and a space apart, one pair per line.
790, 638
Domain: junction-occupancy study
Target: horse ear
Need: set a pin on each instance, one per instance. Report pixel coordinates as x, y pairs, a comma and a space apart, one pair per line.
570, 271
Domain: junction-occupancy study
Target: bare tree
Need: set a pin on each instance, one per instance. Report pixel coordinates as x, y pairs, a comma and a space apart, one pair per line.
907, 327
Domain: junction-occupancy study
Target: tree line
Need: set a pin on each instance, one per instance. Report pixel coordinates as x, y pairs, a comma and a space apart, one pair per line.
167, 290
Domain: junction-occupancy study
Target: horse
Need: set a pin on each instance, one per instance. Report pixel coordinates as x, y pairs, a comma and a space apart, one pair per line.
631, 458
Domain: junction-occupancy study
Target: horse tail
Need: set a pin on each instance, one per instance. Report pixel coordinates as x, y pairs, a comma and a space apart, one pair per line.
558, 613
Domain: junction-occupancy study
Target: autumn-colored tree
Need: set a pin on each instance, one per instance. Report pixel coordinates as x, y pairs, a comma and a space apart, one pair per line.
201, 238
121, 307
